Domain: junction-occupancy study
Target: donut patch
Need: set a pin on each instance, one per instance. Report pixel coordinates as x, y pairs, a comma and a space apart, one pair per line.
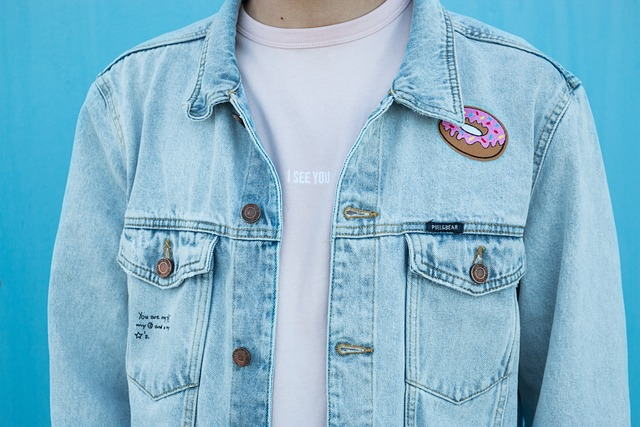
482, 137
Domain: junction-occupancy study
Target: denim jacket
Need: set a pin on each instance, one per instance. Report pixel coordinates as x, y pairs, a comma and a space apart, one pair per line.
475, 274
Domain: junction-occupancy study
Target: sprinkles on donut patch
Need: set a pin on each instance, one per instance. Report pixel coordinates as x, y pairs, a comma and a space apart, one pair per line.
482, 137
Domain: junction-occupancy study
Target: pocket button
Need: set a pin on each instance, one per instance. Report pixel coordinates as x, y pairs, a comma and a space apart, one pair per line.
479, 273
164, 267
241, 357
251, 213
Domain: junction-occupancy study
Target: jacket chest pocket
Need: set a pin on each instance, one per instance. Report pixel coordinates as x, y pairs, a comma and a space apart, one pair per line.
170, 276
462, 326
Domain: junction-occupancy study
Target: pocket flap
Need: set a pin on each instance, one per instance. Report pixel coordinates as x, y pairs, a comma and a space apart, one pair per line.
140, 250
447, 259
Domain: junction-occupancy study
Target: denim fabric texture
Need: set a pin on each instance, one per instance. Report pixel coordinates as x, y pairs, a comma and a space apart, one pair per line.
413, 339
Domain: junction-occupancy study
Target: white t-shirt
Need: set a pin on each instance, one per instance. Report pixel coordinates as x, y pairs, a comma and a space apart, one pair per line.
310, 91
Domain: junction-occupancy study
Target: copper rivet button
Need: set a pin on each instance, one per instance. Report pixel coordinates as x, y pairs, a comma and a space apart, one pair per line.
241, 357
479, 273
164, 267
251, 213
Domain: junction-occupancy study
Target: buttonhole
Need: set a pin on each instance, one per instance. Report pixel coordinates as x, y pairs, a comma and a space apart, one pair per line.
345, 349
350, 213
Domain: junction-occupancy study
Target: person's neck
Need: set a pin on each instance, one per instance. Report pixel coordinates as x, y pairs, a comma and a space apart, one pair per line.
307, 13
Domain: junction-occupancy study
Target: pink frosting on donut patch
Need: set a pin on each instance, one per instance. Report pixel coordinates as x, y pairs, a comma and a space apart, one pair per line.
495, 132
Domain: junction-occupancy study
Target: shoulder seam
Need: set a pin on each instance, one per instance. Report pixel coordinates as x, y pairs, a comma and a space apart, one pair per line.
105, 92
548, 133
197, 35
571, 80
103, 87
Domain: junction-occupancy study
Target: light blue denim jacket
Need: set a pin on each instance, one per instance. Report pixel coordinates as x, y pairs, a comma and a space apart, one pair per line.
464, 291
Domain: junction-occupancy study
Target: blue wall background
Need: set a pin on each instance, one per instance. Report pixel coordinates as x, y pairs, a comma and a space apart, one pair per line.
50, 52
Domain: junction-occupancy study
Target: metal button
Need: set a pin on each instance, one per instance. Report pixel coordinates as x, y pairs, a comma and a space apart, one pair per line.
241, 357
479, 273
251, 213
164, 267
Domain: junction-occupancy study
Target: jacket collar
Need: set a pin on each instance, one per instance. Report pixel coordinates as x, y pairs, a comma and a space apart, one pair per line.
427, 81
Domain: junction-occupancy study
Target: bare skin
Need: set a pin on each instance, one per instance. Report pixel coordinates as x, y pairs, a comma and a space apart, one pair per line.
307, 13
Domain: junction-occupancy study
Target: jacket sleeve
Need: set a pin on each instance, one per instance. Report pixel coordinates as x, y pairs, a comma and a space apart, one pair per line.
87, 304
573, 355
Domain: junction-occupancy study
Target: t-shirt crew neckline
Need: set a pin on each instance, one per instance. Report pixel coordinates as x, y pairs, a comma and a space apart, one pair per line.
315, 37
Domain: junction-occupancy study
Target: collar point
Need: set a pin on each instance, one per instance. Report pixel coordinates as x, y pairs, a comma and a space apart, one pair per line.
453, 113
457, 117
